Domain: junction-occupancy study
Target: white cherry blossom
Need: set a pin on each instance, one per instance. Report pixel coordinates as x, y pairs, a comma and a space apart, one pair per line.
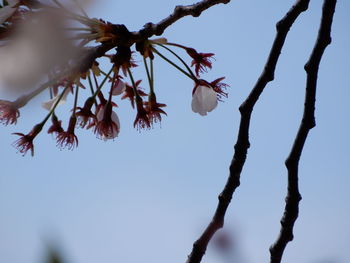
105, 129
204, 99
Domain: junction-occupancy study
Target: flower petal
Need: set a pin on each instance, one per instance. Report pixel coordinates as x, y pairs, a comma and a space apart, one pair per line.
48, 105
100, 113
204, 100
6, 12
119, 87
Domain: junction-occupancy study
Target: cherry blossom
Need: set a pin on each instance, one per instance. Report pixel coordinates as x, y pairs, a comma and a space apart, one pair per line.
85, 115
25, 143
204, 98
200, 61
153, 109
9, 112
142, 120
68, 139
48, 55
108, 125
56, 127
130, 94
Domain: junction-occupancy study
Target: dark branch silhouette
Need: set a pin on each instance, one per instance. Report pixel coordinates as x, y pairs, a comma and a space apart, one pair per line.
180, 11
151, 29
307, 123
242, 145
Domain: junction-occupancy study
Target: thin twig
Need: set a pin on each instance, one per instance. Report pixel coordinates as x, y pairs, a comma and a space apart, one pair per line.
180, 11
307, 123
242, 145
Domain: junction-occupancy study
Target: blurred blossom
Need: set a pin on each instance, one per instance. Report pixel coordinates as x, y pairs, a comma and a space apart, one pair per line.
227, 245
38, 47
8, 11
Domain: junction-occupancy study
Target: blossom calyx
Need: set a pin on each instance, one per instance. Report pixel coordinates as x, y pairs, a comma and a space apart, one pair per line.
9, 111
153, 108
25, 143
201, 61
108, 125
56, 126
68, 139
85, 115
142, 120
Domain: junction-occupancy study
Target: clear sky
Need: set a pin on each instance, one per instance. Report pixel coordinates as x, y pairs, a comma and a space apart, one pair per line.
145, 197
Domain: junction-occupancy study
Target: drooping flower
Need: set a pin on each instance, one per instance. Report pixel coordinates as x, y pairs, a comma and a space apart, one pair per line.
153, 109
9, 112
68, 139
201, 61
205, 95
56, 127
204, 98
130, 94
142, 120
108, 125
25, 143
85, 115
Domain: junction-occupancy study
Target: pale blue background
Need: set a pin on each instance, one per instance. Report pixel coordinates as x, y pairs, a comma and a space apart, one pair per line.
147, 196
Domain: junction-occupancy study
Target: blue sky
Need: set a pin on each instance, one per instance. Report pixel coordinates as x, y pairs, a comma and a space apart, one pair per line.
145, 197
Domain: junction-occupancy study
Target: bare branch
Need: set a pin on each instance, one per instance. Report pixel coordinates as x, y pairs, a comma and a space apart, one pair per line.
307, 123
242, 144
180, 11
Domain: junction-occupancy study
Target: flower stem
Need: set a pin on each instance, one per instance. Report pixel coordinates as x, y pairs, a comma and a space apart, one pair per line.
176, 45
182, 61
99, 87
112, 85
76, 99
152, 75
149, 76
54, 107
91, 88
133, 84
173, 64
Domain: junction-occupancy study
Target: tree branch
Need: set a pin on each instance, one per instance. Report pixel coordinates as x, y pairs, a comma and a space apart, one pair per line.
307, 123
242, 144
150, 29
180, 11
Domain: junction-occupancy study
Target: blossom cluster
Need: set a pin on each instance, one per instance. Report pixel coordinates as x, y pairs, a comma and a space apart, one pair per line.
84, 73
